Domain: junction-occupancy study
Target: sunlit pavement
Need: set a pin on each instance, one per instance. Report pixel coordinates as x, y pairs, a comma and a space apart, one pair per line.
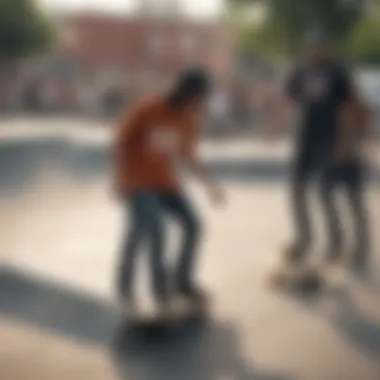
58, 318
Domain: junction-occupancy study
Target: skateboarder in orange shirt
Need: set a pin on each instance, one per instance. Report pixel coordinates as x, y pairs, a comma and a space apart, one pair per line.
152, 139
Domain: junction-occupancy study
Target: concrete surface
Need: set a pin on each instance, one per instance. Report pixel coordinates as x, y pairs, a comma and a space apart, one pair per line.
60, 232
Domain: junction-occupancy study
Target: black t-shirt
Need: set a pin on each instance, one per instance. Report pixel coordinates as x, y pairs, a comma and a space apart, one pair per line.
320, 92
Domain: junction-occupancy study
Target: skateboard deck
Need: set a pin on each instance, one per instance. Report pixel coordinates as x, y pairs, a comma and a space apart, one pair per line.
175, 317
299, 279
149, 320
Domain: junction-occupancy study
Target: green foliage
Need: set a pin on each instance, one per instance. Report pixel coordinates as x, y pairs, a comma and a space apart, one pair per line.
288, 21
363, 43
263, 39
24, 29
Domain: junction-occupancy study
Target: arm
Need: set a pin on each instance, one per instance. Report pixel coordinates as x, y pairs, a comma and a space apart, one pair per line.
352, 115
355, 129
347, 132
367, 131
192, 161
201, 172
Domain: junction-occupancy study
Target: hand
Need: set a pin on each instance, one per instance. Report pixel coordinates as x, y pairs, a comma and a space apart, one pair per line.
217, 195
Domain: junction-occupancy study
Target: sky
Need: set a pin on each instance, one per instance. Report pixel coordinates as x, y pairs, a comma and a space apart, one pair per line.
200, 8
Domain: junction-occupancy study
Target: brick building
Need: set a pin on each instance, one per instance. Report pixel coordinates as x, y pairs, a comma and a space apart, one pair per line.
99, 54
135, 45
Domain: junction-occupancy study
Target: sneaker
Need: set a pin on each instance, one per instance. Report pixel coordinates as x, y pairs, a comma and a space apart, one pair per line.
164, 312
294, 254
334, 264
128, 306
360, 268
310, 281
197, 297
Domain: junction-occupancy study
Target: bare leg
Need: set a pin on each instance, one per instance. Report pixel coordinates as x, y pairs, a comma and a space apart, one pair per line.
333, 222
354, 186
299, 191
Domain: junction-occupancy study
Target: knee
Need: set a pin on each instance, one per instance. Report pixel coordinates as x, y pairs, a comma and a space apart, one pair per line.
357, 205
130, 237
297, 189
153, 228
298, 181
156, 228
193, 226
298, 192
325, 192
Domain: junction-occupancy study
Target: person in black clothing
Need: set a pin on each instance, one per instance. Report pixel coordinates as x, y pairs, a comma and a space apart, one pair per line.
321, 87
350, 164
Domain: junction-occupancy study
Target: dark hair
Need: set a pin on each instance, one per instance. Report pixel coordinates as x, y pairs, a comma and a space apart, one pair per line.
191, 83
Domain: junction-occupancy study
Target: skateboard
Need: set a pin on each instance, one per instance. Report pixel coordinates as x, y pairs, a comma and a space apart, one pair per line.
176, 316
302, 279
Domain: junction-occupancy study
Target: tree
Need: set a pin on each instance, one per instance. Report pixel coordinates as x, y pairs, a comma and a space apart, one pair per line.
24, 29
289, 20
363, 44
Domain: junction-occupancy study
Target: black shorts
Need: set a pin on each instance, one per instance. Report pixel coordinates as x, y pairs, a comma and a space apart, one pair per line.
319, 164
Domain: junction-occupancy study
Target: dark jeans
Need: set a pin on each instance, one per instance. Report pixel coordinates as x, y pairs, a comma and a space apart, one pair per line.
148, 211
317, 163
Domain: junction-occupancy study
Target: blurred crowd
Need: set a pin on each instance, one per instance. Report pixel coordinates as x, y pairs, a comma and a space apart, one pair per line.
234, 106
103, 64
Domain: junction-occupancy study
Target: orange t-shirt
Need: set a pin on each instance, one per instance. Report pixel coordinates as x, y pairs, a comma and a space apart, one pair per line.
150, 139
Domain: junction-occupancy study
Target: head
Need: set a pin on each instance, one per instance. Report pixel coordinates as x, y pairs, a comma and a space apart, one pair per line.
191, 89
318, 48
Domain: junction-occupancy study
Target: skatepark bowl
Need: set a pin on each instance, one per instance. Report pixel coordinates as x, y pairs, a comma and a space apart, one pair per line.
60, 231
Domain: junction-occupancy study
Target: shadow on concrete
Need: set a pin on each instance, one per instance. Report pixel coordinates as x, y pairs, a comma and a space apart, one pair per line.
356, 328
202, 351
359, 331
56, 308
195, 352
